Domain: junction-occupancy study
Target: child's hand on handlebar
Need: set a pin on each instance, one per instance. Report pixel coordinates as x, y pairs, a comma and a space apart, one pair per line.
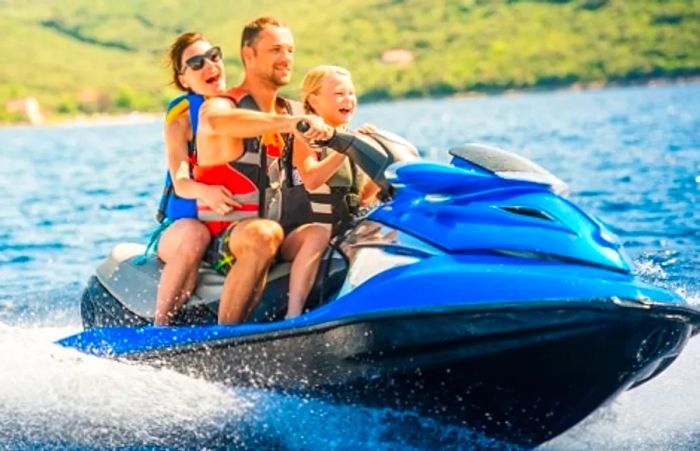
367, 129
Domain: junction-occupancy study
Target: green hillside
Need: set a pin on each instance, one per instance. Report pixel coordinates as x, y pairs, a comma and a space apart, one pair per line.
106, 56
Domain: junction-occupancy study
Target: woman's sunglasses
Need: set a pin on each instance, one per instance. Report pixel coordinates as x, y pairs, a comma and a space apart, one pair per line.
197, 62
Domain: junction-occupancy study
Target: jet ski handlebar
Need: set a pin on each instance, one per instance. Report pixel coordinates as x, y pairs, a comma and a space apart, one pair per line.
340, 146
373, 152
303, 126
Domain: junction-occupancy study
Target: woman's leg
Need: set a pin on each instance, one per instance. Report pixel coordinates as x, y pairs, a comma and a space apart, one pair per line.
181, 247
304, 247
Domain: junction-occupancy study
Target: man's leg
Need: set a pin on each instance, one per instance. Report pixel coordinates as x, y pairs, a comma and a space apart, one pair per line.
254, 243
304, 247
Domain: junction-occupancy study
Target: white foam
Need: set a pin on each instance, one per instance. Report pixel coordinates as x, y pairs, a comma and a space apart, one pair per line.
650, 269
50, 393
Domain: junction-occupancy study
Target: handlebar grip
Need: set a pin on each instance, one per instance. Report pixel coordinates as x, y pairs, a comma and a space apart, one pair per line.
303, 126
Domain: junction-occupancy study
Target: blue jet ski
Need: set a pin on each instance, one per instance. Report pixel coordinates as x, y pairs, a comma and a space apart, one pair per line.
476, 294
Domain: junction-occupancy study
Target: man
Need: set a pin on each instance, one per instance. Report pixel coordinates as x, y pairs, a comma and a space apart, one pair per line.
237, 143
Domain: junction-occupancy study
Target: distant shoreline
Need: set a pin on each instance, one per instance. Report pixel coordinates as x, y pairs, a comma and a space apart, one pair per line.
137, 117
589, 86
96, 120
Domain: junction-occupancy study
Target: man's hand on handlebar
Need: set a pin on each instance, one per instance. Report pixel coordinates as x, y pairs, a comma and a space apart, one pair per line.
312, 128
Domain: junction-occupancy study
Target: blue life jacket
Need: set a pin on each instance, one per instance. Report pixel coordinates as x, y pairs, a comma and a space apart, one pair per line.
172, 206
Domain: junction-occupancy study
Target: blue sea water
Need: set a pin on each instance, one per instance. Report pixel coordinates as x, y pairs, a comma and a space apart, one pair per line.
68, 194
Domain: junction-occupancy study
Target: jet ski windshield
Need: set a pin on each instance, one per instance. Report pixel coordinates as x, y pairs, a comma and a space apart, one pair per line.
505, 164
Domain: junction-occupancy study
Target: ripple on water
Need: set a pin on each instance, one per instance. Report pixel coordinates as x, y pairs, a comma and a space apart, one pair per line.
49, 246
15, 259
98, 192
116, 207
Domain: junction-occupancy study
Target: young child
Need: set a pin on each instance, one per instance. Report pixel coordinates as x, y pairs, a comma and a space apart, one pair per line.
337, 188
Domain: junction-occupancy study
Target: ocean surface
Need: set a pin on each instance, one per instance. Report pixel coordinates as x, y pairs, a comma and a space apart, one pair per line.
69, 194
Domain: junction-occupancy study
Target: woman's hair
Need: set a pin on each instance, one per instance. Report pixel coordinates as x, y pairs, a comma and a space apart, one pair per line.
314, 79
175, 54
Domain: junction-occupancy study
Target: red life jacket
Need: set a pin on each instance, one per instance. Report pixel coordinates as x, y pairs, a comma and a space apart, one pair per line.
250, 175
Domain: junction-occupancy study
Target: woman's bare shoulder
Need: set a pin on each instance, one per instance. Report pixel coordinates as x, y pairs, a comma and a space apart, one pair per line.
179, 126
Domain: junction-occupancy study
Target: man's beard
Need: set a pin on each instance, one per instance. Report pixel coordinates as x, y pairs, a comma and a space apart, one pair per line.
278, 80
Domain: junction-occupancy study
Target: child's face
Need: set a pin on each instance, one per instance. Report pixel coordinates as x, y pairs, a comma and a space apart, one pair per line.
336, 101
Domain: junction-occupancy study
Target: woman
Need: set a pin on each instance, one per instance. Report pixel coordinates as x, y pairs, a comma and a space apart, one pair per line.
336, 186
197, 67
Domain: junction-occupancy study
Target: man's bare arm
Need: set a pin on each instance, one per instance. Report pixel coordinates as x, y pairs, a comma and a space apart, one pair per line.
215, 196
220, 117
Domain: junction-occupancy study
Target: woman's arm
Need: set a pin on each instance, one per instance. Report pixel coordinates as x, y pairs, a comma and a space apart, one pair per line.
315, 173
177, 134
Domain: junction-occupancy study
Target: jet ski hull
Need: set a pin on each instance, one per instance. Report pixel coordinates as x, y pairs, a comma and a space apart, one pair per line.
520, 374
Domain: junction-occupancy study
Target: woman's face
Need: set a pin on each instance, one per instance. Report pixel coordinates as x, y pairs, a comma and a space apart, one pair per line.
335, 102
202, 69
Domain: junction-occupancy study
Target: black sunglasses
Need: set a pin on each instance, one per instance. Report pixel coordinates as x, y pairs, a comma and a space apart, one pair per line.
197, 62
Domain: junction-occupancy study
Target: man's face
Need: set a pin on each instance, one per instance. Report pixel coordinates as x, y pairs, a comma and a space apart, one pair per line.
272, 56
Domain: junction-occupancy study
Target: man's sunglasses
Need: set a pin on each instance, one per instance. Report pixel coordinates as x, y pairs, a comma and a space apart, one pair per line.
197, 62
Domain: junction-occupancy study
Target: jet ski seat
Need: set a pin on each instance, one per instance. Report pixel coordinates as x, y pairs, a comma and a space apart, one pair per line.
135, 286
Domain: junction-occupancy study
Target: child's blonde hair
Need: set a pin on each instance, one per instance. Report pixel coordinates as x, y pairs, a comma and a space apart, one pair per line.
314, 79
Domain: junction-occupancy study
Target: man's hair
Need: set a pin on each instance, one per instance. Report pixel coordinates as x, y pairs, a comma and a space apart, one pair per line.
253, 29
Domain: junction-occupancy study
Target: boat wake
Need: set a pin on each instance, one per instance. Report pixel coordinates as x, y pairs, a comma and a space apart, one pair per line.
57, 397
